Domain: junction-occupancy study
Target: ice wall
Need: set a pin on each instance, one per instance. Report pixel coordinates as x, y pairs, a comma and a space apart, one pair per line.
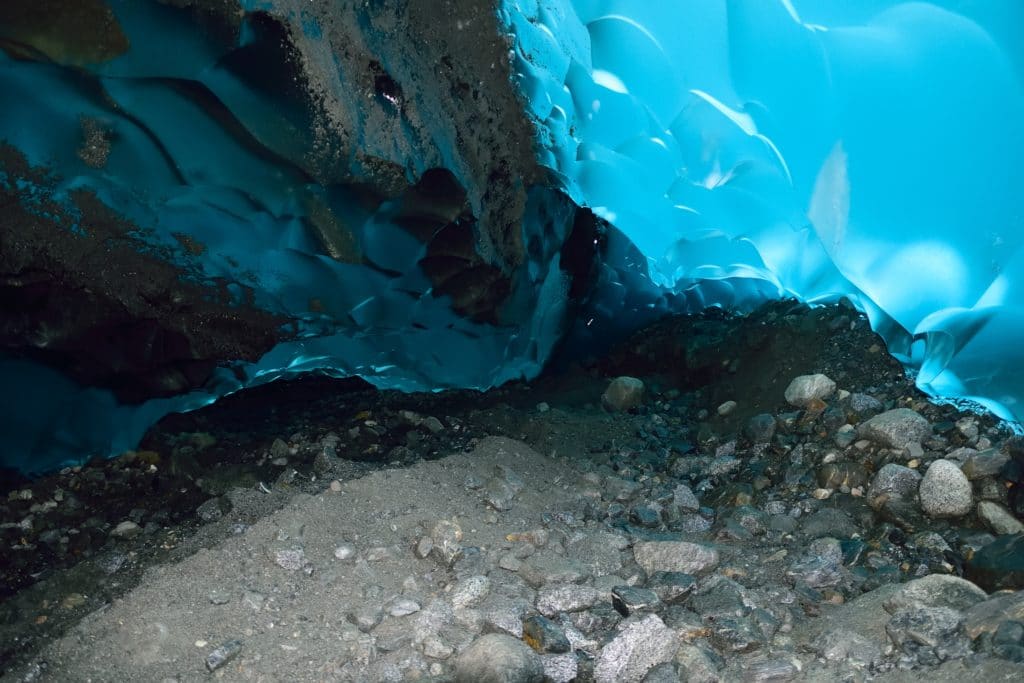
807, 148
199, 196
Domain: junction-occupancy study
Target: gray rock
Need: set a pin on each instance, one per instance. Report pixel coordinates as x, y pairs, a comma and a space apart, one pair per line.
945, 491
719, 597
821, 565
600, 553
806, 388
545, 568
895, 428
849, 649
560, 668
213, 509
403, 607
345, 552
684, 499
470, 592
223, 654
736, 635
639, 647
498, 658
936, 590
445, 540
624, 393
675, 556
629, 599
864, 404
828, 522
126, 529
895, 481
292, 559
999, 519
929, 635
566, 598
987, 463
671, 587
697, 664
663, 673
771, 670
986, 616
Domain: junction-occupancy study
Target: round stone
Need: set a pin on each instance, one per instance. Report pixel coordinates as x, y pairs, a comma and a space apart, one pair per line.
807, 388
945, 491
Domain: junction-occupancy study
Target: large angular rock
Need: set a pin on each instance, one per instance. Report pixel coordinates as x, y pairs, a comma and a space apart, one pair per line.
639, 647
895, 428
999, 564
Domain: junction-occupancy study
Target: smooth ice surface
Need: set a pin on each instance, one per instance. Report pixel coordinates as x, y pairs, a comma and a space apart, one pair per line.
871, 149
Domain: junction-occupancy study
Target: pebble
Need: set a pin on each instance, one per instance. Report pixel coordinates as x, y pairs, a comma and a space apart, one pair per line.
675, 556
895, 428
344, 551
126, 529
496, 658
638, 647
807, 388
623, 394
726, 408
291, 559
223, 654
945, 491
403, 607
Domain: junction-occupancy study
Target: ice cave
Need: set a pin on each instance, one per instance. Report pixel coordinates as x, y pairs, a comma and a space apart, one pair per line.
512, 341
203, 196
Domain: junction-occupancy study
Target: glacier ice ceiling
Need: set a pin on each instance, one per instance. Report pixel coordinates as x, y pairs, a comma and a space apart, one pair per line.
204, 195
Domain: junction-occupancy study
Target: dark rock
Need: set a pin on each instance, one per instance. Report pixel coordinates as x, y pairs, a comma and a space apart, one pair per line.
735, 634
828, 522
629, 599
894, 481
895, 428
545, 636
671, 587
985, 617
646, 516
223, 654
837, 474
998, 565
624, 393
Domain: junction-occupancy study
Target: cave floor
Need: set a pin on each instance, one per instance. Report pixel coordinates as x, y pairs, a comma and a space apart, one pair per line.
340, 533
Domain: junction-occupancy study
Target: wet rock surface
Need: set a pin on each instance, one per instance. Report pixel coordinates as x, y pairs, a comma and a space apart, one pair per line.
344, 535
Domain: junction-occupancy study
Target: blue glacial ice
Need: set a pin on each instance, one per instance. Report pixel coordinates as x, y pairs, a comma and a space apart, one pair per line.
740, 150
805, 148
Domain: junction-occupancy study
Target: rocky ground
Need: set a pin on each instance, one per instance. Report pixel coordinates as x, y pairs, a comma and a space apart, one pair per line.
764, 498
